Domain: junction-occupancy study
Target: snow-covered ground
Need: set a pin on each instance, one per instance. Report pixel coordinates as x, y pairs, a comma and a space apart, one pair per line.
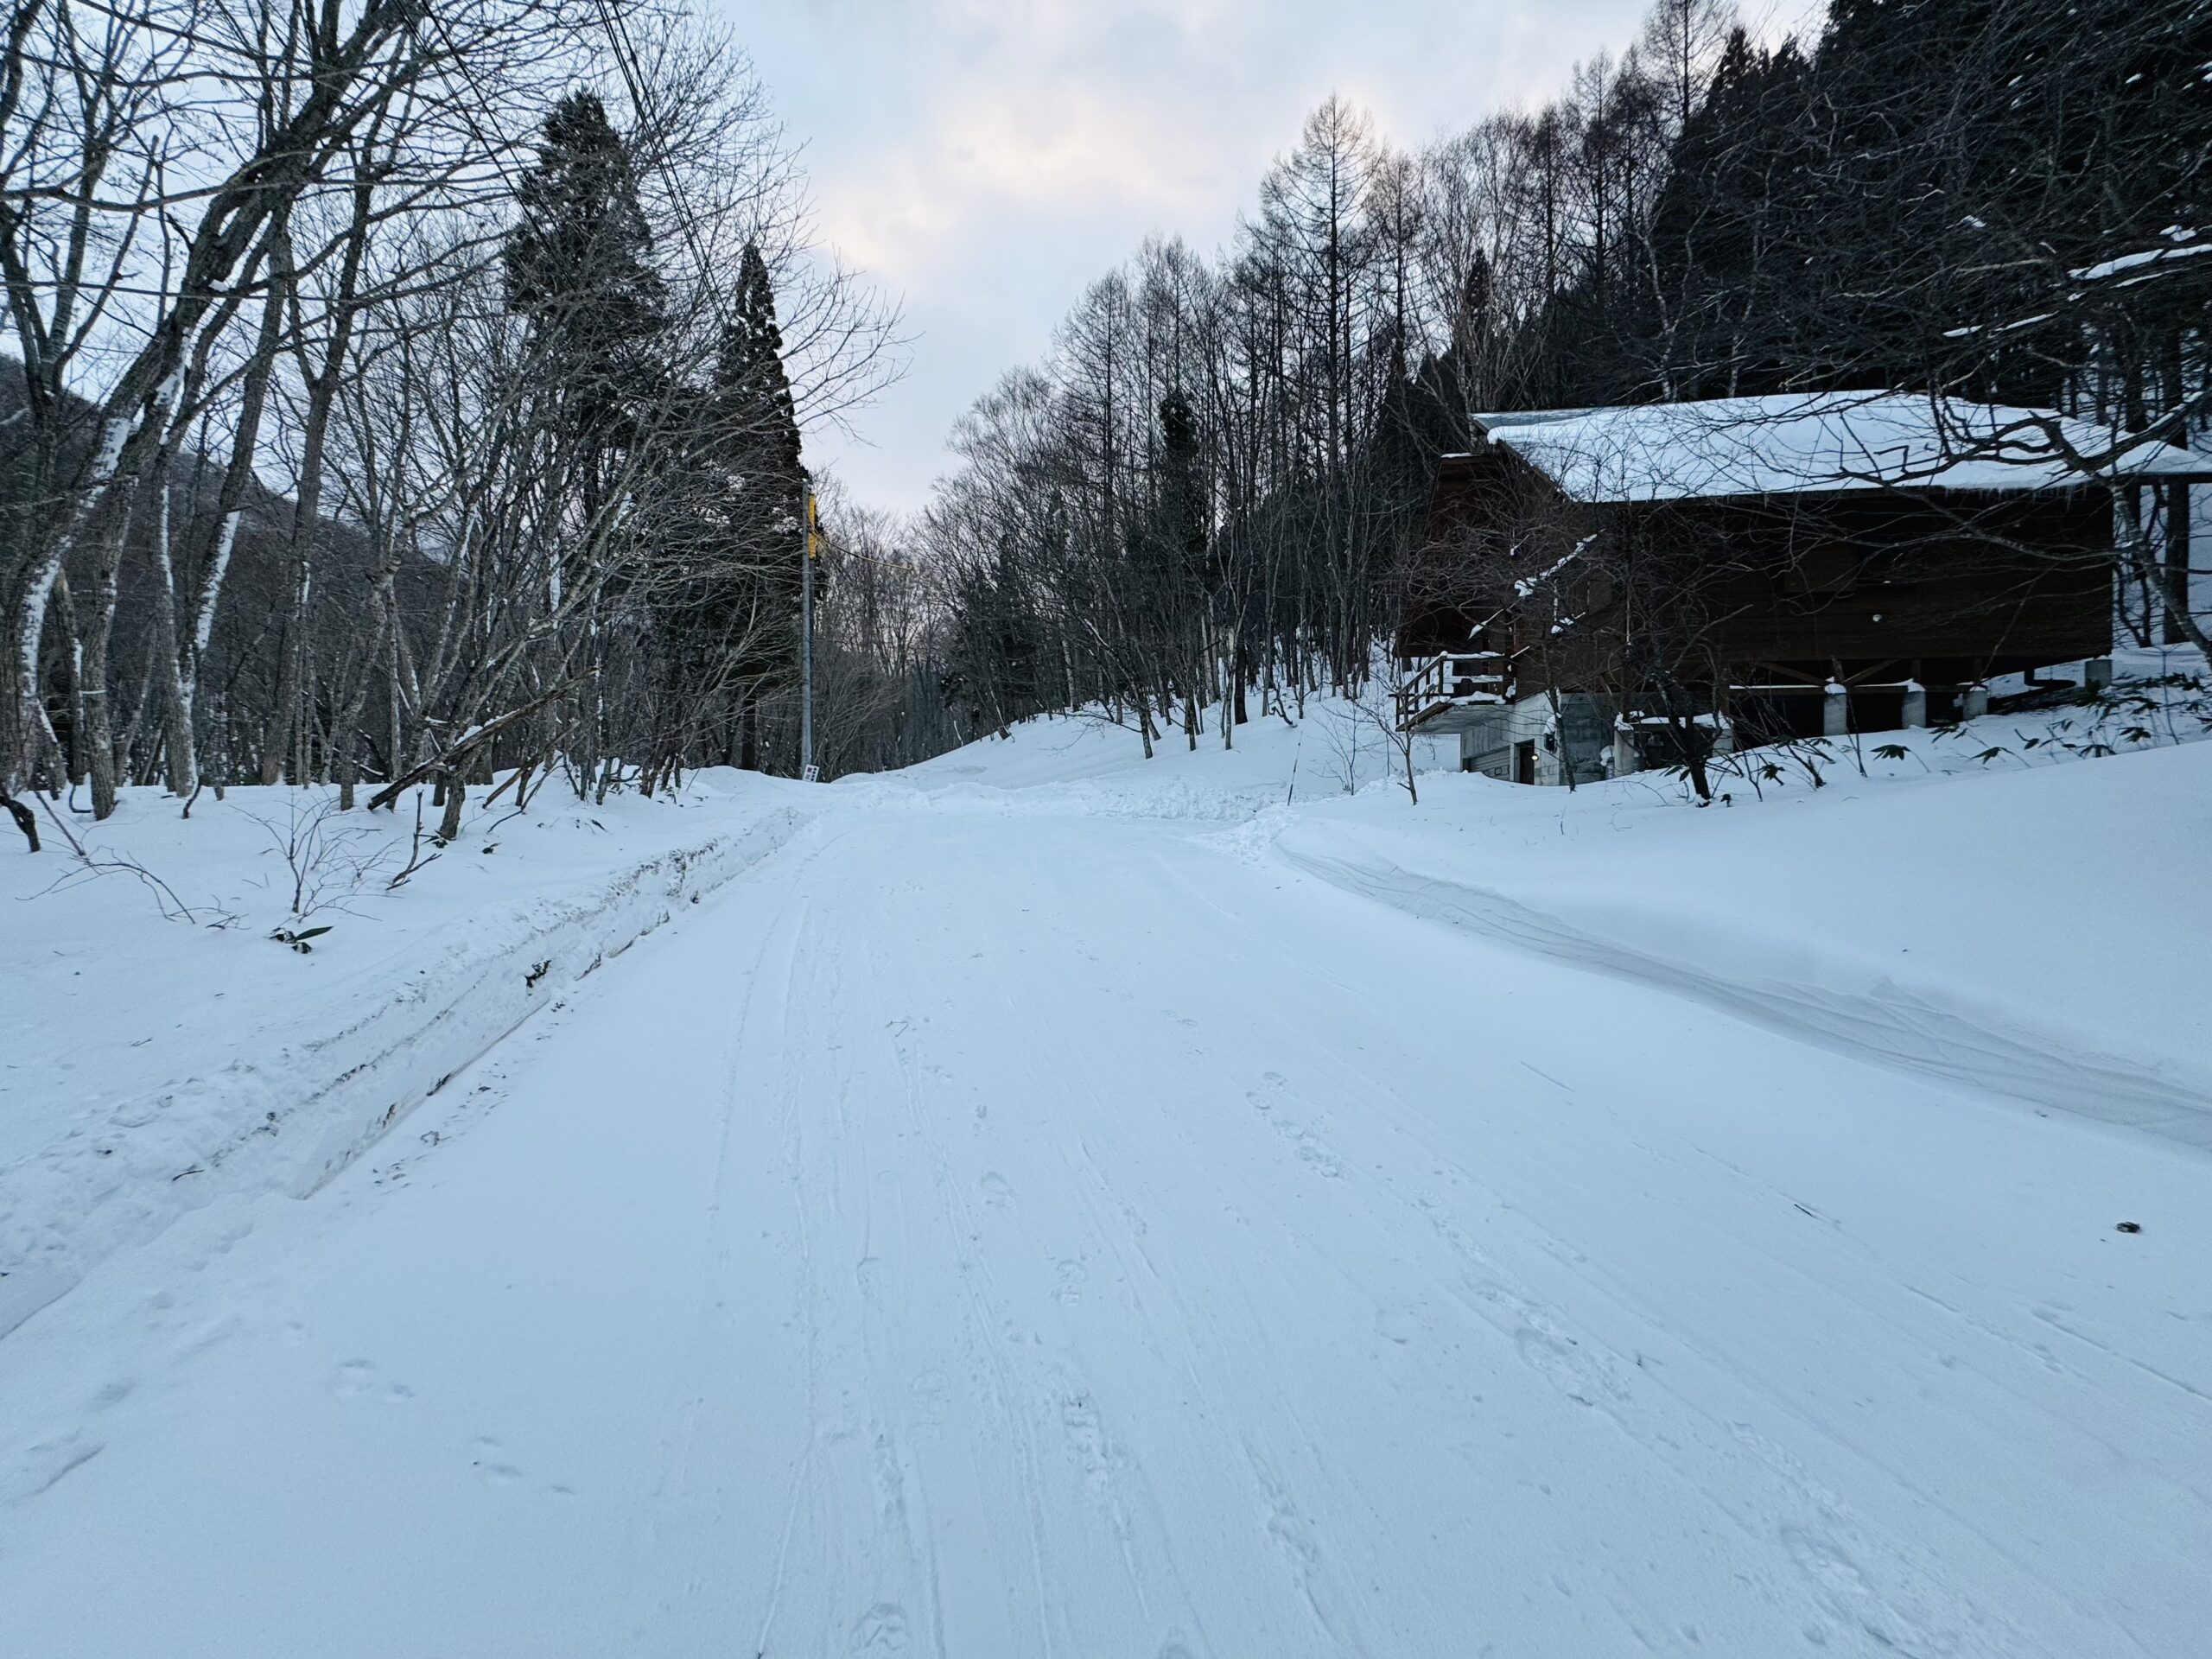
1052, 1202
160, 1044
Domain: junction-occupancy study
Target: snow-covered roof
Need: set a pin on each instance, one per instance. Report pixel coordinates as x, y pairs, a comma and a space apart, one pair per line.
1799, 443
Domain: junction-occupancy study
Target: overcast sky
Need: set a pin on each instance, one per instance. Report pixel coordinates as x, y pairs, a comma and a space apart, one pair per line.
985, 160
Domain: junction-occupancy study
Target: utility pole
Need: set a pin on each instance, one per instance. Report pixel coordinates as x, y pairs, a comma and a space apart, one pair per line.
811, 535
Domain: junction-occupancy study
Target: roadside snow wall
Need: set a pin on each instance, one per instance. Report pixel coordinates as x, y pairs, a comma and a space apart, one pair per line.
291, 1119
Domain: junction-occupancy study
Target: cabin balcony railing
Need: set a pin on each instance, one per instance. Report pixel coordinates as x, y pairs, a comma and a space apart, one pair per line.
1455, 679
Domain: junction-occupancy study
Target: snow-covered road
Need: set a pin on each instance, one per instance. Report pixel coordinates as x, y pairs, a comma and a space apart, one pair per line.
978, 1233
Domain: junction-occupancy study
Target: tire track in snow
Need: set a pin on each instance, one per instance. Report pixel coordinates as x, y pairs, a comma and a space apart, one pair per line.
1028, 1382
1396, 1350
694, 1470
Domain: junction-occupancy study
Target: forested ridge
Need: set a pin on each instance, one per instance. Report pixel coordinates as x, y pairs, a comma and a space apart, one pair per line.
401, 395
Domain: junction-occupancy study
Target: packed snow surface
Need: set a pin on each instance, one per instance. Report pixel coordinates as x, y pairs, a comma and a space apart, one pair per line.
1054, 1203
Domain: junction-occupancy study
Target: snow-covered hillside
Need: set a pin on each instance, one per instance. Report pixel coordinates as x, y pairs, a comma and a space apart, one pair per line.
1052, 1202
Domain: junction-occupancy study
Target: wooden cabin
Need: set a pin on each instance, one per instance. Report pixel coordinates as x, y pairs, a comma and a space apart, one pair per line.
1600, 589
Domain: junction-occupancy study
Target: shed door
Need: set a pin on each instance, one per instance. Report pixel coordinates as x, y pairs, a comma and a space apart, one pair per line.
1524, 763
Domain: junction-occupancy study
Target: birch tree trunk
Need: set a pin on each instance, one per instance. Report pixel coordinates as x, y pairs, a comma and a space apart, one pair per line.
181, 649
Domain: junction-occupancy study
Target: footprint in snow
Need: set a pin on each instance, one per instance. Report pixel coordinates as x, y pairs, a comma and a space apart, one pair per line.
996, 1191
1080, 1417
489, 1457
882, 1629
1559, 1359
1397, 1324
355, 1378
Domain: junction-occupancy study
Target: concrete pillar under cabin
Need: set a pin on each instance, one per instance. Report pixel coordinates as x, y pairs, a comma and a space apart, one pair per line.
1974, 701
1626, 758
1915, 705
1835, 711
2097, 673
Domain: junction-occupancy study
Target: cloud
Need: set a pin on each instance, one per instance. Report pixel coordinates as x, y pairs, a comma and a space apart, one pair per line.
986, 159
995, 160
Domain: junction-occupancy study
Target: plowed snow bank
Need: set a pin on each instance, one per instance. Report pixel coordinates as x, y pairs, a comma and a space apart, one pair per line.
156, 1065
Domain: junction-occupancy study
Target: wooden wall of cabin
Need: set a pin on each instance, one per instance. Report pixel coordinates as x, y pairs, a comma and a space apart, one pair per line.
1487, 512
1881, 586
1964, 586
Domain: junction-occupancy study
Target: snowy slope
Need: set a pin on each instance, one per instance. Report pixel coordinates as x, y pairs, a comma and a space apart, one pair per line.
1304, 754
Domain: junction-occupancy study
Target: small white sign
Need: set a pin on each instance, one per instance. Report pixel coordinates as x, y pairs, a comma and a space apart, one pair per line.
813, 774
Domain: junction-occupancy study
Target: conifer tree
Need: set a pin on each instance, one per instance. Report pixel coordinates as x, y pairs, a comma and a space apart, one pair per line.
745, 604
578, 264
752, 393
